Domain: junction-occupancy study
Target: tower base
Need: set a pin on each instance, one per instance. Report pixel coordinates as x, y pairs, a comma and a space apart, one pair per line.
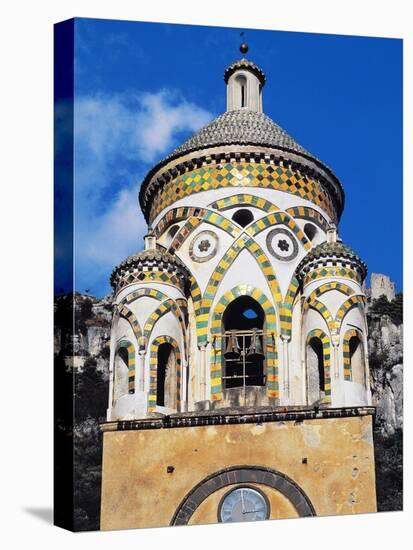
177, 470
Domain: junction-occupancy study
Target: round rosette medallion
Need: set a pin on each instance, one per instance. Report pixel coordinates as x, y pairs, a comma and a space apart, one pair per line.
204, 246
282, 244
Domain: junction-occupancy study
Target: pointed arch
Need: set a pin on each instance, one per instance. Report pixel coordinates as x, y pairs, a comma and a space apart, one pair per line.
193, 218
127, 314
224, 264
180, 237
323, 310
325, 341
244, 199
216, 348
160, 311
148, 292
286, 309
153, 370
276, 218
176, 215
349, 334
333, 285
130, 349
310, 214
350, 303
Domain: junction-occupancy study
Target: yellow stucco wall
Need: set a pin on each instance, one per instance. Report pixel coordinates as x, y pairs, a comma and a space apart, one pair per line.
337, 475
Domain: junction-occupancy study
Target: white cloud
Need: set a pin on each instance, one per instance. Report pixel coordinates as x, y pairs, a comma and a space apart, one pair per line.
116, 137
160, 120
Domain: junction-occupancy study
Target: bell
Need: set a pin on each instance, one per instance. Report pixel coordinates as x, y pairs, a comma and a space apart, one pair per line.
232, 351
255, 350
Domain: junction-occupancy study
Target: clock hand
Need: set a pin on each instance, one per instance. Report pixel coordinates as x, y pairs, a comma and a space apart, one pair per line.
242, 501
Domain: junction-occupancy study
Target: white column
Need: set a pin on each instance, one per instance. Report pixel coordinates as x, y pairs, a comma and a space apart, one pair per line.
141, 378
203, 381
286, 365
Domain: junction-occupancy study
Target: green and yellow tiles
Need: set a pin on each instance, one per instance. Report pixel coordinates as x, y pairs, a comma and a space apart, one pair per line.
131, 363
219, 272
153, 371
244, 200
310, 214
317, 333
276, 218
244, 174
346, 353
331, 271
350, 303
216, 335
126, 313
286, 309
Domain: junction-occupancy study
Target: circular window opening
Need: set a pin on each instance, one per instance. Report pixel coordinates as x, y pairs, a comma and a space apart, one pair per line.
243, 217
310, 230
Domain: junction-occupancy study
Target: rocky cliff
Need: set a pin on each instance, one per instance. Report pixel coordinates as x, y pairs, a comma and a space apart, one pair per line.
385, 344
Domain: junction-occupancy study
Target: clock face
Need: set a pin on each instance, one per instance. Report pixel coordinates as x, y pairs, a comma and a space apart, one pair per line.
243, 504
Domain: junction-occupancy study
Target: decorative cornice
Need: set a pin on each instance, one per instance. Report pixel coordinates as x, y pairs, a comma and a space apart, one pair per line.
222, 417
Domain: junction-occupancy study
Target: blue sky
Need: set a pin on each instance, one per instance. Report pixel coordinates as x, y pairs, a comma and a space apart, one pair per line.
141, 89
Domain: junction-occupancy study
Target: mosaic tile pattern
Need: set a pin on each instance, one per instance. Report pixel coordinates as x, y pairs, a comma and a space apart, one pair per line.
153, 371
216, 332
242, 174
330, 271
204, 246
244, 200
317, 333
183, 306
219, 272
276, 218
176, 215
163, 309
307, 213
322, 310
286, 309
131, 363
349, 304
326, 287
127, 314
151, 276
149, 292
209, 217
183, 234
348, 375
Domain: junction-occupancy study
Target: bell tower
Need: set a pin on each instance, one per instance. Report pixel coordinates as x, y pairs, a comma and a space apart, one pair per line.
239, 365
244, 84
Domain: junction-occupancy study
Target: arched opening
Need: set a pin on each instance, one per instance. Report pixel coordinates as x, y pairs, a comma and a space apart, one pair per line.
242, 90
356, 360
121, 372
243, 343
315, 369
243, 217
310, 230
166, 380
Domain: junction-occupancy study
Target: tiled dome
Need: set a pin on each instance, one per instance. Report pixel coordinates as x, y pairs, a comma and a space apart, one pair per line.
332, 250
243, 127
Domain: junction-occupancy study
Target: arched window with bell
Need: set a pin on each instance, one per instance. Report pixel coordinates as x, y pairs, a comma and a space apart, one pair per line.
243, 327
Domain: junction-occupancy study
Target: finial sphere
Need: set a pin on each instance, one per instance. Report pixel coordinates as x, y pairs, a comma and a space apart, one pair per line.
243, 48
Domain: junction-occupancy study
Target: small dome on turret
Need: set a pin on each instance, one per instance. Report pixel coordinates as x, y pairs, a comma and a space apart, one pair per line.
246, 65
331, 252
150, 259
